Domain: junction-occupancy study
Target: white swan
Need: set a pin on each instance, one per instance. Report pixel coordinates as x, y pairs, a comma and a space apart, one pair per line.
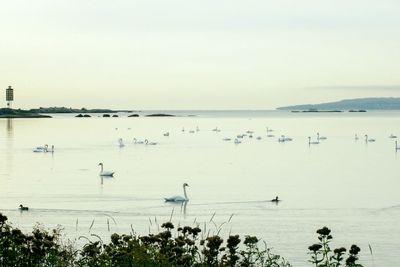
179, 198
147, 143
135, 141
321, 137
312, 142
283, 138
369, 139
121, 142
105, 173
237, 141
41, 148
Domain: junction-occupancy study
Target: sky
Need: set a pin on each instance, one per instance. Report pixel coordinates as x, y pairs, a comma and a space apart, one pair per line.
208, 54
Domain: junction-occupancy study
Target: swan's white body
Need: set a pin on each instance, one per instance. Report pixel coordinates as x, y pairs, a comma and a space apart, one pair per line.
369, 139
105, 173
41, 149
312, 142
179, 198
284, 139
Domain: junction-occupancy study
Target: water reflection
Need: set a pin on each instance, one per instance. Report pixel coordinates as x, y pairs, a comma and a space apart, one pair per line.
9, 145
10, 128
183, 207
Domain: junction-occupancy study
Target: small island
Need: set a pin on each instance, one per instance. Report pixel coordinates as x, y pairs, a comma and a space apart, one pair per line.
20, 113
50, 110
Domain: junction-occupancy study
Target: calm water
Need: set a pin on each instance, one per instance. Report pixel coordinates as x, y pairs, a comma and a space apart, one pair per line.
350, 186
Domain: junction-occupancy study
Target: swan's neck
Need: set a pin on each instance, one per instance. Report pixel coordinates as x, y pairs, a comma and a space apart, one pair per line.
184, 192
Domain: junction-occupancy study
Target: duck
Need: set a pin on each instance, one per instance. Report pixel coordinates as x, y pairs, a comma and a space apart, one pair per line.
21, 207
105, 173
276, 199
179, 198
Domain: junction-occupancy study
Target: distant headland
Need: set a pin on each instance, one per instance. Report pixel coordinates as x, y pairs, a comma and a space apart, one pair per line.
351, 105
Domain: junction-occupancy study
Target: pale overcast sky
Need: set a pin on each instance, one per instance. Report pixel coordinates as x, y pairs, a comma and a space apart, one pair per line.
204, 54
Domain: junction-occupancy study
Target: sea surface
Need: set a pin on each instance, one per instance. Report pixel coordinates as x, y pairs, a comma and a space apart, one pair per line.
351, 186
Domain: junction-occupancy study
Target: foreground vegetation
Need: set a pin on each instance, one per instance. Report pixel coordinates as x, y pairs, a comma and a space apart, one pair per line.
183, 246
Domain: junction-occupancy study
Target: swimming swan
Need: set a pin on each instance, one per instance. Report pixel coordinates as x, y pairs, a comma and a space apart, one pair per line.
179, 198
312, 142
135, 141
147, 143
368, 139
105, 173
41, 148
